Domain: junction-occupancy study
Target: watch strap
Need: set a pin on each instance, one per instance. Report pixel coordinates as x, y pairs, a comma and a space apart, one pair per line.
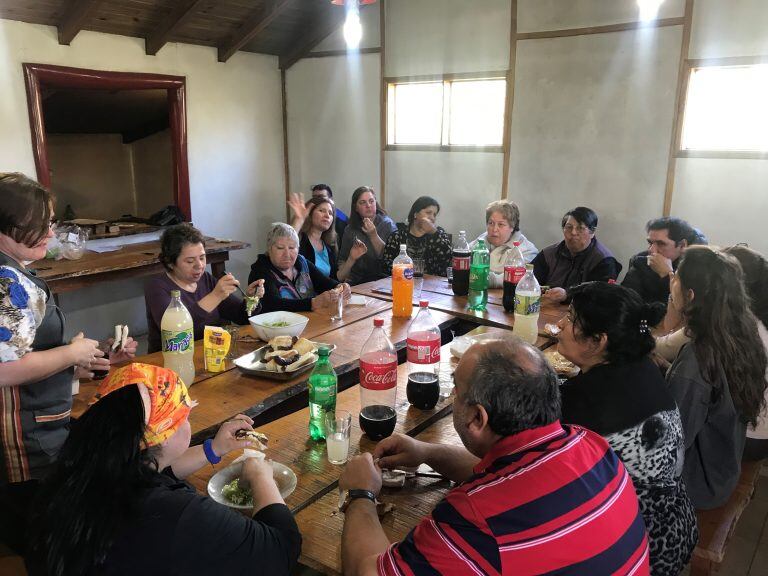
354, 494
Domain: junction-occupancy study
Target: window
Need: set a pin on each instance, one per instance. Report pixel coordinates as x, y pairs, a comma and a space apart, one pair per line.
726, 109
449, 114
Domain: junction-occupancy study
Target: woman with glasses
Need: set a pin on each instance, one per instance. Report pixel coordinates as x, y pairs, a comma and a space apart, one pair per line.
36, 364
578, 258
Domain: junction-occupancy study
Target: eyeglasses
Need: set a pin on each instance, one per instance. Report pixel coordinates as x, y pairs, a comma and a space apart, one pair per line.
580, 229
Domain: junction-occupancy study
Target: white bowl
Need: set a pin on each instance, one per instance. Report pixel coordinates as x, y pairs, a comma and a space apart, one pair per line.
296, 325
285, 478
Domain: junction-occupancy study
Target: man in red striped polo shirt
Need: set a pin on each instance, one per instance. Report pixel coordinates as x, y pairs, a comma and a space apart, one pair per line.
535, 496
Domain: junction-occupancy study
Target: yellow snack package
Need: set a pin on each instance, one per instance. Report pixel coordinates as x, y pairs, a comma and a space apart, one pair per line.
215, 347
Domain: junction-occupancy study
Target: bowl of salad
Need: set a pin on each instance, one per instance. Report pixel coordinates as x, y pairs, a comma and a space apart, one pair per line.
267, 326
225, 487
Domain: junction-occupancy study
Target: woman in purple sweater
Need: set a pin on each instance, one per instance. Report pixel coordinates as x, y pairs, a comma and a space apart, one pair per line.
182, 253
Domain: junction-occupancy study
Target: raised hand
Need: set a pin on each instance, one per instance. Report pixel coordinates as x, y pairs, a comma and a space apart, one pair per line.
300, 210
368, 227
358, 250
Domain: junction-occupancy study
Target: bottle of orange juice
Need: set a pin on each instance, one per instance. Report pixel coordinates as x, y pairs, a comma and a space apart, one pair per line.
402, 284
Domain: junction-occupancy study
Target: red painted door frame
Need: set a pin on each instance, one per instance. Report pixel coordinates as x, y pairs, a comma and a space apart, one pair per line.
66, 77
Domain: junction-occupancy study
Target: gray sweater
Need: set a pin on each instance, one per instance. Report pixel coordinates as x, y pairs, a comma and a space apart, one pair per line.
714, 433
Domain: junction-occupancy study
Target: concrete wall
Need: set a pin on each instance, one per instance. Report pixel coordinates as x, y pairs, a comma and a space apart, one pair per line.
235, 143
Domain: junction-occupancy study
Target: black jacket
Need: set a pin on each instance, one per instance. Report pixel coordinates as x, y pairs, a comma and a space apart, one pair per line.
274, 280
306, 250
643, 280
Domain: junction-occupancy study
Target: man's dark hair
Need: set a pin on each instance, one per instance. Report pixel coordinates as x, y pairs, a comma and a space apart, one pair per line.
174, 239
325, 187
582, 215
677, 230
518, 392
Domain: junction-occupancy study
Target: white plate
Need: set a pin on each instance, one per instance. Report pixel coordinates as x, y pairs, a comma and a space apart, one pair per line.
285, 478
252, 363
357, 300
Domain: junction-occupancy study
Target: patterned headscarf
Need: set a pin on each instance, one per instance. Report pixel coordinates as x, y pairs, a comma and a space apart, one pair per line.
170, 403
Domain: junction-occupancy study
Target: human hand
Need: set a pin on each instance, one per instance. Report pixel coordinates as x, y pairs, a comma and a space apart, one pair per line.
225, 441
361, 473
660, 361
297, 204
555, 295
86, 353
257, 471
125, 353
426, 225
256, 289
358, 250
225, 286
322, 301
346, 291
659, 264
398, 451
83, 373
368, 227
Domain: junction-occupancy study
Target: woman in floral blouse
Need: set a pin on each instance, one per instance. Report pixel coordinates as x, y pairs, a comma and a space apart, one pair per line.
424, 239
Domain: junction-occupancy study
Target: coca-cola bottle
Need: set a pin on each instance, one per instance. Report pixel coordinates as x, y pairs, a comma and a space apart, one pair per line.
514, 270
423, 347
460, 264
378, 384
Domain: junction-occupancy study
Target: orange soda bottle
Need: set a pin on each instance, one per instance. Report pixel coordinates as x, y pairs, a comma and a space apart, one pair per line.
402, 285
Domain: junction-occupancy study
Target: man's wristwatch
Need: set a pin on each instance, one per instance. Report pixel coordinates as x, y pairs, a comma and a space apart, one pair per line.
349, 495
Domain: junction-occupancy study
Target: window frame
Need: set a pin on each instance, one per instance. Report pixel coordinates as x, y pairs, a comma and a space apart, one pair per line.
691, 65
445, 79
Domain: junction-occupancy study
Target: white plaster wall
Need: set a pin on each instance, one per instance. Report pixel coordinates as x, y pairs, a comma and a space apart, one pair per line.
234, 150
729, 28
333, 124
591, 126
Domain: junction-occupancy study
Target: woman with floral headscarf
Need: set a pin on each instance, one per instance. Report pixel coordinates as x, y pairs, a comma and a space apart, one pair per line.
116, 502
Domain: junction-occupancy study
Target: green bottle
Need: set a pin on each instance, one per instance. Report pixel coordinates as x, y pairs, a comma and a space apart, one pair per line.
322, 394
479, 269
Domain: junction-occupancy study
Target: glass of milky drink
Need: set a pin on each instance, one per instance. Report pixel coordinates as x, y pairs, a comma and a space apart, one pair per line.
338, 426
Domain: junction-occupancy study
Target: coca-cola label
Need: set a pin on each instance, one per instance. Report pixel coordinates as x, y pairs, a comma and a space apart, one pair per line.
461, 262
423, 351
378, 376
513, 275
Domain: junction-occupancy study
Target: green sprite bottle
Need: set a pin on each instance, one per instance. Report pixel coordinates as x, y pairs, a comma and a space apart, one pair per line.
322, 394
479, 269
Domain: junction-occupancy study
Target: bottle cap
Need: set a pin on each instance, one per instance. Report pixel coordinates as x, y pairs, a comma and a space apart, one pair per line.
175, 293
324, 351
403, 247
516, 243
529, 266
378, 322
423, 303
462, 232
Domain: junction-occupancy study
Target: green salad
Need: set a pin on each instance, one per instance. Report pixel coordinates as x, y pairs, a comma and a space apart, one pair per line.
278, 324
241, 496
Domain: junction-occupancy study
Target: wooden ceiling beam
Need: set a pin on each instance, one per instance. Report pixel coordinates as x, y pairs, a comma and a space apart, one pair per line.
74, 18
252, 28
316, 33
182, 12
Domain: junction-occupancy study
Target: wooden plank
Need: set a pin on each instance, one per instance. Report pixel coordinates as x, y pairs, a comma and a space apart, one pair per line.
73, 20
252, 28
683, 76
510, 100
335, 53
448, 76
383, 103
182, 13
311, 37
606, 29
722, 154
286, 156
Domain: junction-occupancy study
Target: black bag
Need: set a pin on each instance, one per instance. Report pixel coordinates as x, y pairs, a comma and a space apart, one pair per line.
167, 216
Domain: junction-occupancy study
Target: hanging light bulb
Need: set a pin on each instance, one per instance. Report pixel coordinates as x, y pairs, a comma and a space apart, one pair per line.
649, 9
353, 30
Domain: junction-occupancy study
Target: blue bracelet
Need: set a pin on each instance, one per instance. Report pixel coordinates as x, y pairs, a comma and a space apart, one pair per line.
209, 453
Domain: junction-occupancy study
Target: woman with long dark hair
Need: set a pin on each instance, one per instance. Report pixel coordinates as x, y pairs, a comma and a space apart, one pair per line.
621, 394
718, 378
314, 221
115, 502
364, 239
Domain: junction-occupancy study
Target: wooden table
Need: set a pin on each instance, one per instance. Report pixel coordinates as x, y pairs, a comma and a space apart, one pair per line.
131, 261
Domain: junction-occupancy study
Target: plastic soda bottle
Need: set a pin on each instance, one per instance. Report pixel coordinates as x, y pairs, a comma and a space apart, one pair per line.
460, 265
402, 284
478, 276
514, 270
178, 339
527, 304
378, 384
322, 393
423, 347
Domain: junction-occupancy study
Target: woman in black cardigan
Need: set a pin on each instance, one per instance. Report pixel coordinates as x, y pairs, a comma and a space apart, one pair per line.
314, 221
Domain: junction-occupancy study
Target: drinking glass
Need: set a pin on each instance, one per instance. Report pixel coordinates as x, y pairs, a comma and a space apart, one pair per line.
336, 307
449, 274
418, 277
338, 426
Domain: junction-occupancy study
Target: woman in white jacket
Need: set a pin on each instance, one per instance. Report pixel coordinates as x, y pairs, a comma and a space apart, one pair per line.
502, 222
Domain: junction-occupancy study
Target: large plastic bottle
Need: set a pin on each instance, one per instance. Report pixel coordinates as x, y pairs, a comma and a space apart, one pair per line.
478, 276
527, 305
514, 270
423, 348
460, 265
402, 284
178, 339
322, 393
378, 384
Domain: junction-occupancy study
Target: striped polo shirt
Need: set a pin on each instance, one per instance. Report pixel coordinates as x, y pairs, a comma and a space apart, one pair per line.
554, 499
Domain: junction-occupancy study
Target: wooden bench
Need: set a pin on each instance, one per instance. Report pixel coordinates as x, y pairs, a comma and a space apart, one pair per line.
717, 525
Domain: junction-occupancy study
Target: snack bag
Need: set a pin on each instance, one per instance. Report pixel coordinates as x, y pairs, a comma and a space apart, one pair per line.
215, 347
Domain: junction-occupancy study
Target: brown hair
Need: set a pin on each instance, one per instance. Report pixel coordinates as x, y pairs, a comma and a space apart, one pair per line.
755, 269
354, 218
723, 327
25, 209
174, 239
329, 236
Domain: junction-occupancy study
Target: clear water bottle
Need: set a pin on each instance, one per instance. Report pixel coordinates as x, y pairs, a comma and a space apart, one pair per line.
322, 393
378, 384
460, 265
527, 305
178, 339
478, 276
423, 347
